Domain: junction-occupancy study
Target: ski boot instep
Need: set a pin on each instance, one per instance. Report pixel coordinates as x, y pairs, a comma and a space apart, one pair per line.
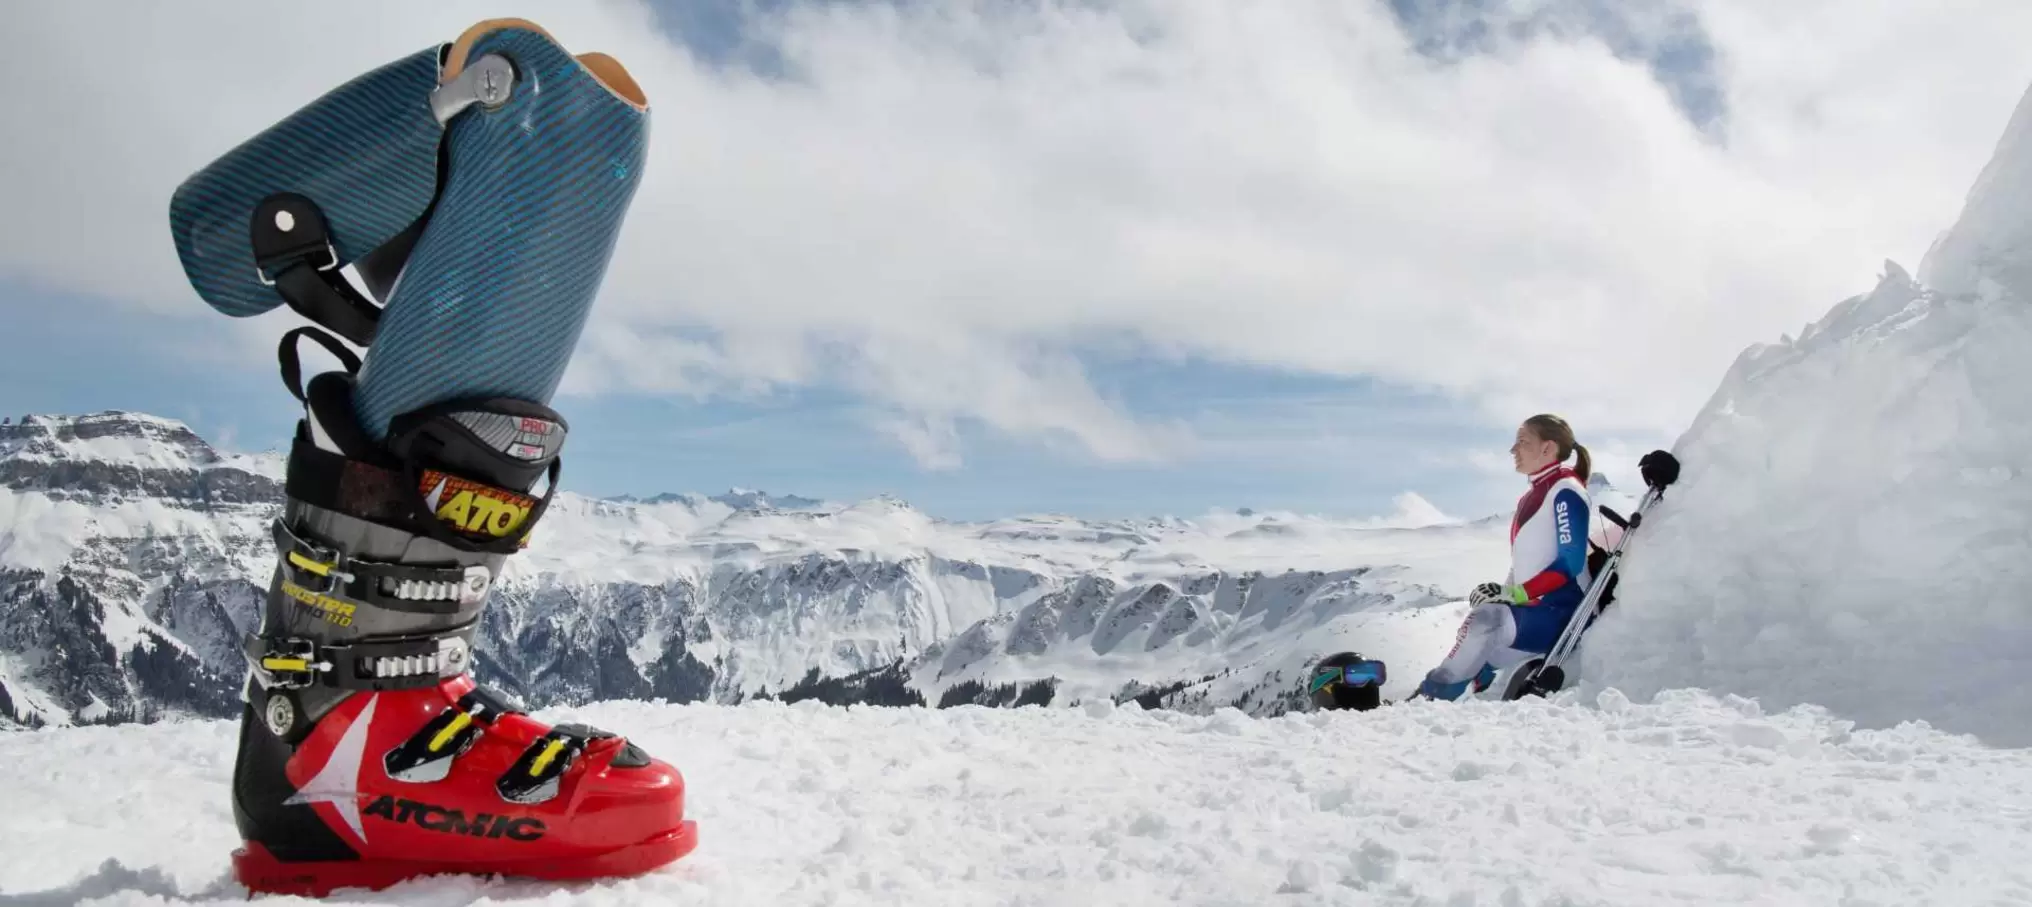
491, 175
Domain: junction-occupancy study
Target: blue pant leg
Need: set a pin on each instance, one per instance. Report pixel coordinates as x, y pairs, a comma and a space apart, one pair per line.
1539, 626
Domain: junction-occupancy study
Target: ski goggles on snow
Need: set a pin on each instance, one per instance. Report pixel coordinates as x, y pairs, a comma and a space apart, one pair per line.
1359, 674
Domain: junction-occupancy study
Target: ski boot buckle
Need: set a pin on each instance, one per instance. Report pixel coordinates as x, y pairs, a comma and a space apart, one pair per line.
328, 571
321, 563
291, 665
534, 778
427, 755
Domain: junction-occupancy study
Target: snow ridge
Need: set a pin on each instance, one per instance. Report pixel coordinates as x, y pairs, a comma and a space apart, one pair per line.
1851, 528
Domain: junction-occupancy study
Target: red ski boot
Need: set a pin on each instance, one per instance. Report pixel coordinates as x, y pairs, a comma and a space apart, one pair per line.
368, 755
477, 188
394, 785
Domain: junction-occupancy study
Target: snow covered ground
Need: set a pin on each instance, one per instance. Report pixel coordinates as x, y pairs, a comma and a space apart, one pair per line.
1691, 800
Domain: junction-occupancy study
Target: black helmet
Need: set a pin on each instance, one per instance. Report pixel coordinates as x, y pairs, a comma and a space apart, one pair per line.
1346, 680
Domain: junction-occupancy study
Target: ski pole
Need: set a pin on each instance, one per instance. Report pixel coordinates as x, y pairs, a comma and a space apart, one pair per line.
1583, 615
1549, 676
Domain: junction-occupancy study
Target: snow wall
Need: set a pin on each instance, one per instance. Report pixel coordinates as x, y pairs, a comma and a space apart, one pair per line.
1853, 528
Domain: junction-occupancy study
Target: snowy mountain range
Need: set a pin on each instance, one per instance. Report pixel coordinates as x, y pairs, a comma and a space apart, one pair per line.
133, 555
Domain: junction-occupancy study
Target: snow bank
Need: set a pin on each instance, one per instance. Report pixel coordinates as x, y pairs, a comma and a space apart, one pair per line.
1693, 800
1854, 526
1991, 243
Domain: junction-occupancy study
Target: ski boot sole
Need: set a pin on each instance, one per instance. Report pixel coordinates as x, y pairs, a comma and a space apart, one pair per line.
262, 873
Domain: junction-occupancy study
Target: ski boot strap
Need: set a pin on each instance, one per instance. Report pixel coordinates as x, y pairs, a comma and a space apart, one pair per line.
427, 755
535, 776
456, 472
469, 515
316, 573
407, 663
293, 253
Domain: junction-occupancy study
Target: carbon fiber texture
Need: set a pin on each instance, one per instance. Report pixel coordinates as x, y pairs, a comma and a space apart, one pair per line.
516, 436
366, 152
500, 284
494, 429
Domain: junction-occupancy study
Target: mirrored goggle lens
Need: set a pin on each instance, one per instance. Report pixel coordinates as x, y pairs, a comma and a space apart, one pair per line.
1367, 673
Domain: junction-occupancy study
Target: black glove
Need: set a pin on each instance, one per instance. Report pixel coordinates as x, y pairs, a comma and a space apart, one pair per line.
1497, 592
1659, 469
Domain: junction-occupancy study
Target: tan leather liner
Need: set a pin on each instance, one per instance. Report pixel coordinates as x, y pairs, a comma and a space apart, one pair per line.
612, 74
605, 69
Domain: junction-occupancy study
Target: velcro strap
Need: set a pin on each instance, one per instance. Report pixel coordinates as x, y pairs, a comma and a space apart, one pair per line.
322, 570
329, 302
290, 359
292, 242
477, 509
470, 515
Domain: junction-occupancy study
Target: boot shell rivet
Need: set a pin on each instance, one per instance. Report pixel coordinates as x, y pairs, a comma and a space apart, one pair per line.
281, 715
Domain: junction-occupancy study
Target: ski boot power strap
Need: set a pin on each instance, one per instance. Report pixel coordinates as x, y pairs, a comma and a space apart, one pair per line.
475, 189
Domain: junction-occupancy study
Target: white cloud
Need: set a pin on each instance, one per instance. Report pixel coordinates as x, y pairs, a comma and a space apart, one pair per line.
934, 444
942, 206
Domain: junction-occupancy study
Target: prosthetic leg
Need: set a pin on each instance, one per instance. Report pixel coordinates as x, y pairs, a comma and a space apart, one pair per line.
477, 189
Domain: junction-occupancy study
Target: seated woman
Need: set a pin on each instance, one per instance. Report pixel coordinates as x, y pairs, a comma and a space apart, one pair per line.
1522, 617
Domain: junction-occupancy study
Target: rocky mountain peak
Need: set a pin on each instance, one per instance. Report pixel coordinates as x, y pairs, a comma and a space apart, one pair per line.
115, 455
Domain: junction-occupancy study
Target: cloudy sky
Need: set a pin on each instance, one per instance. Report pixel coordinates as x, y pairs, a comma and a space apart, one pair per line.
1106, 258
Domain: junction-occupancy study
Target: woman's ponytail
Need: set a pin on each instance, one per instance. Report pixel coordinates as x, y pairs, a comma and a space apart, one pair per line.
1553, 428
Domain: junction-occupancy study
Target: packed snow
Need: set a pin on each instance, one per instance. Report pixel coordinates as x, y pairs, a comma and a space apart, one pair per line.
1689, 800
1988, 250
1852, 530
1854, 526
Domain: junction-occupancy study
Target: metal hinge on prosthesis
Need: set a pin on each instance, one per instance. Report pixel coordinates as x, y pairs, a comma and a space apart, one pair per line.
324, 569
293, 663
292, 241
